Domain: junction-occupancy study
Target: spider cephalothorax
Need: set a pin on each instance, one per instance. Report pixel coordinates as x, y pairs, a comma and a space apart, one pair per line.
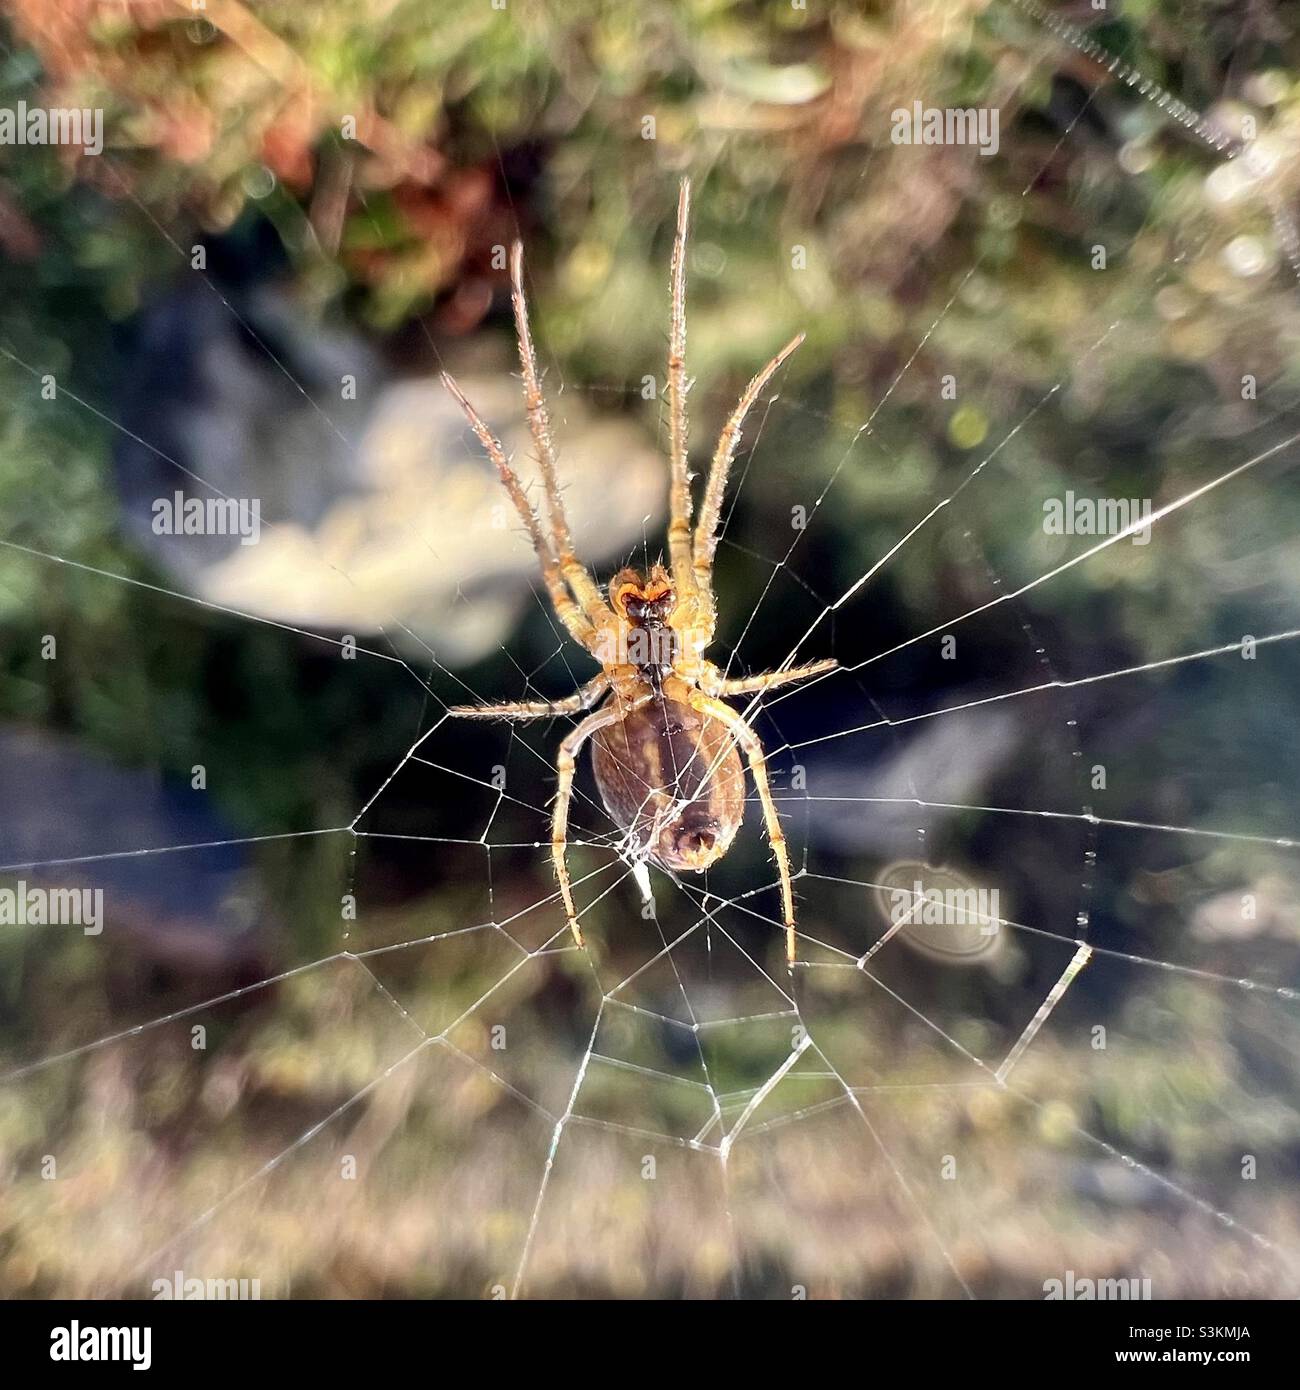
643, 602
646, 609
664, 743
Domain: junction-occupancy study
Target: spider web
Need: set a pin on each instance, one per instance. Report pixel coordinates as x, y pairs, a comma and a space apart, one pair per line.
481, 1109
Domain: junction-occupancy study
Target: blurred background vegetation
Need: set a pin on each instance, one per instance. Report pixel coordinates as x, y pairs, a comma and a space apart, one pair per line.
350, 173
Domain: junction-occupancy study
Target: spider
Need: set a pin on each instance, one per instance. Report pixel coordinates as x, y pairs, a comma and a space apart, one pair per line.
664, 743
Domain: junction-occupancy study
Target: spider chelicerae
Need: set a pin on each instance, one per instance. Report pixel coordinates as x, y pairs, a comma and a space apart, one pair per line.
664, 743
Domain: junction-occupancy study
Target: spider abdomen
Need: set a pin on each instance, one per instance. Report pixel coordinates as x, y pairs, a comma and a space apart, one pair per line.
671, 778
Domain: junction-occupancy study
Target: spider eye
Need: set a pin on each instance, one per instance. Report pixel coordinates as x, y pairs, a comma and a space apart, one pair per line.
635, 608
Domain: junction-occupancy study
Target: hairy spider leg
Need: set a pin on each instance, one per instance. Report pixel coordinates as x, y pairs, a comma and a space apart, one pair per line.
565, 762
753, 750
769, 680
706, 538
579, 626
679, 490
580, 581
582, 699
